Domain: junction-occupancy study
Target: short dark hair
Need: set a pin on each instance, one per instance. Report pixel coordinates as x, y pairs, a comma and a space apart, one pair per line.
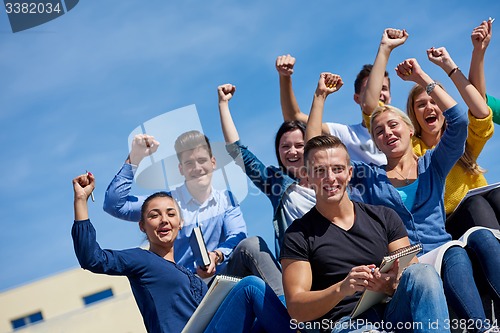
287, 126
324, 142
191, 140
364, 73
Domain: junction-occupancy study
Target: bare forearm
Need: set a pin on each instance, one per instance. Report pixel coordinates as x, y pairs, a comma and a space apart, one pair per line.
314, 123
289, 106
369, 100
471, 96
476, 72
228, 128
81, 209
311, 305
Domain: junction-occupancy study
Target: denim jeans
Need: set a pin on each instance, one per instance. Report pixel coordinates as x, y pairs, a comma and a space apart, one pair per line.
253, 257
251, 303
418, 305
480, 260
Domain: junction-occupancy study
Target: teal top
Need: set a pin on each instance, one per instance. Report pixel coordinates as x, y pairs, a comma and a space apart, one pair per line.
408, 194
494, 104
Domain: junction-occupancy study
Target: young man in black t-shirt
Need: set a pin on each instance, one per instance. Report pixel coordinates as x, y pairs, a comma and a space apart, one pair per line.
330, 256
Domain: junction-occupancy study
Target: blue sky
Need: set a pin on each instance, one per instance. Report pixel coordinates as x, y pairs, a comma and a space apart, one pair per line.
74, 88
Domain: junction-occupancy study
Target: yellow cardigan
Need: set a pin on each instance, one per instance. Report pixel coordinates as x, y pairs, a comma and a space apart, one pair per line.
459, 181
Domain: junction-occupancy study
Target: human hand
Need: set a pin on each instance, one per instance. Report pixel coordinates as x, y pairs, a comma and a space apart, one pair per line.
209, 270
357, 279
440, 57
226, 92
328, 83
142, 145
393, 38
409, 70
83, 186
284, 65
385, 282
481, 35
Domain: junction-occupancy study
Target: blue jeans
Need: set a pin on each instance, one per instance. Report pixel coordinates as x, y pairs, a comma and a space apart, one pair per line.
483, 254
418, 305
250, 304
253, 257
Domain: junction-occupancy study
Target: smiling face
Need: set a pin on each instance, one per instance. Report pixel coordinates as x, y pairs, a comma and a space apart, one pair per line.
428, 115
329, 173
197, 167
161, 221
291, 151
391, 133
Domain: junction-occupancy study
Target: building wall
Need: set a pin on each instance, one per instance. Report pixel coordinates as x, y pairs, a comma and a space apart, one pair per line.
60, 299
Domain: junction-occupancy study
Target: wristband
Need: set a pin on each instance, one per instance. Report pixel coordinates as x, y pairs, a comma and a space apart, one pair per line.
453, 71
430, 87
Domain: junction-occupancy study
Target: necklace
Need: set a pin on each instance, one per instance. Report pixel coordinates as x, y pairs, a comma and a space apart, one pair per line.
406, 180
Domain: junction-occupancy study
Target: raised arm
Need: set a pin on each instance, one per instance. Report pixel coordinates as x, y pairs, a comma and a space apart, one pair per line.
117, 200
410, 70
471, 96
87, 250
142, 145
83, 186
327, 84
452, 143
226, 92
289, 106
480, 37
391, 39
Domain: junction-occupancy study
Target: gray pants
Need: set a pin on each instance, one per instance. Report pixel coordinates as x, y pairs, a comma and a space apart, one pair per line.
252, 257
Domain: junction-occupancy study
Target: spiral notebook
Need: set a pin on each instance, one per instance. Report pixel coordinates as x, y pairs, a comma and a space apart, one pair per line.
370, 298
219, 287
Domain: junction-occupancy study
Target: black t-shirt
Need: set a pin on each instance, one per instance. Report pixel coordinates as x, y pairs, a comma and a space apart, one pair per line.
333, 251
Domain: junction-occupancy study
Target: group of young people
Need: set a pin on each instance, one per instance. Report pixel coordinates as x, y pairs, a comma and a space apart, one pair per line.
343, 197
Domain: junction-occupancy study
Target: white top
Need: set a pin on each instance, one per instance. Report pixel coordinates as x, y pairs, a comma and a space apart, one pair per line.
296, 201
358, 142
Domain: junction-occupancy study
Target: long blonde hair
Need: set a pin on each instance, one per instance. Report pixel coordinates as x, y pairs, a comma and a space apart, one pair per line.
467, 160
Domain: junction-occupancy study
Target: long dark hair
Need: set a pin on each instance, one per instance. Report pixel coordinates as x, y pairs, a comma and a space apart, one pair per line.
287, 126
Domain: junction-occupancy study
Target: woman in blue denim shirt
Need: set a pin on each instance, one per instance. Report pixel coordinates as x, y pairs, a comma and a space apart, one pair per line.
286, 185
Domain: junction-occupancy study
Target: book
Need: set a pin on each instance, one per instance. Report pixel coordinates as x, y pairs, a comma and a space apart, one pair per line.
478, 190
197, 243
369, 297
435, 257
219, 287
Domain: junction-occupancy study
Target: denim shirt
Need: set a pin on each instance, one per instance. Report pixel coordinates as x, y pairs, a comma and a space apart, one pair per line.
219, 217
272, 181
425, 220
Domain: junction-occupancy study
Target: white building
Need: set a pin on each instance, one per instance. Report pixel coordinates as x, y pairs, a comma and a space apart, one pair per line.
75, 301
